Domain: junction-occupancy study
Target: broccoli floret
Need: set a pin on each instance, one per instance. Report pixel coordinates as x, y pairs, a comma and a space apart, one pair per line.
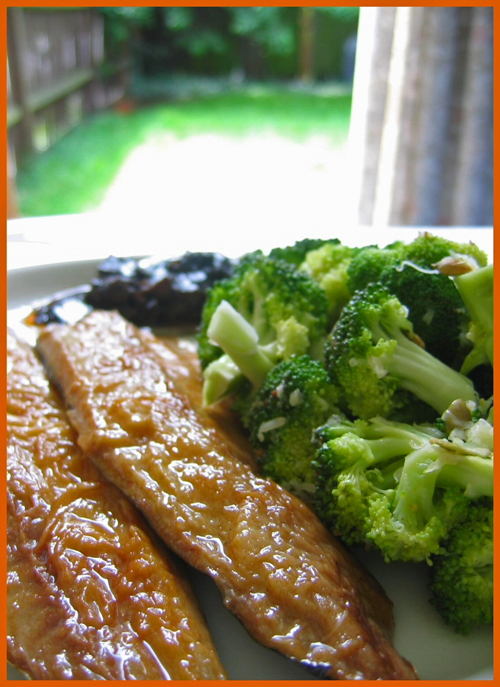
296, 397
244, 354
268, 312
328, 265
461, 577
476, 290
227, 289
370, 263
296, 253
427, 250
326, 261
353, 461
433, 494
395, 486
372, 357
410, 272
435, 308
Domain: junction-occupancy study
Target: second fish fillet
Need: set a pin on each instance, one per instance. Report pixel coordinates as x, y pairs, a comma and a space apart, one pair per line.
91, 591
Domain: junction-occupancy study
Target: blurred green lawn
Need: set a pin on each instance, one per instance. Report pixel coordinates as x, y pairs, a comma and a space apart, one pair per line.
75, 173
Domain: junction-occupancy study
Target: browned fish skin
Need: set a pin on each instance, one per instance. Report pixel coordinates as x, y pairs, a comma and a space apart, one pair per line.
91, 593
292, 585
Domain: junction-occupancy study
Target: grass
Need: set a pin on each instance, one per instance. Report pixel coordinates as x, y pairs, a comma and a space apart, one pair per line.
75, 173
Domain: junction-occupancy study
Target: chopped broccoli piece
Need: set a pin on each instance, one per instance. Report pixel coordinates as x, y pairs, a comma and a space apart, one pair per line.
396, 486
370, 263
461, 577
265, 313
371, 356
410, 272
240, 340
427, 250
296, 253
328, 265
353, 461
476, 290
326, 261
224, 377
295, 398
435, 308
224, 290
433, 494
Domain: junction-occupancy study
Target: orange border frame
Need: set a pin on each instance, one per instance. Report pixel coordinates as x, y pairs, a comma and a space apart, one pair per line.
55, 3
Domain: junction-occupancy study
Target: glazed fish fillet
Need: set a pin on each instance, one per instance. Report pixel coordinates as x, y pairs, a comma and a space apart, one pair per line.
91, 593
293, 586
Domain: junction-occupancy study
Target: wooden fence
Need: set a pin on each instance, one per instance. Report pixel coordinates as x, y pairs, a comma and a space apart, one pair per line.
55, 74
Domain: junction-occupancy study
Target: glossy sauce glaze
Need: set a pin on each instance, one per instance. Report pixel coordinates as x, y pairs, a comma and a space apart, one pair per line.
294, 587
91, 592
147, 291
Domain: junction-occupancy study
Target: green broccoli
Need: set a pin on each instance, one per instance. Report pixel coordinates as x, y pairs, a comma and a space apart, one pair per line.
398, 487
227, 289
296, 397
295, 254
326, 261
436, 310
427, 250
369, 264
353, 460
371, 356
476, 290
461, 577
328, 265
410, 271
265, 313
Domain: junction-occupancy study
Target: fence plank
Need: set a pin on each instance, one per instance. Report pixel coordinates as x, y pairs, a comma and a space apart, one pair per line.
54, 59
67, 85
19, 74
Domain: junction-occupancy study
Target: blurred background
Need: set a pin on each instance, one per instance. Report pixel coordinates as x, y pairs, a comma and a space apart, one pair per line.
318, 116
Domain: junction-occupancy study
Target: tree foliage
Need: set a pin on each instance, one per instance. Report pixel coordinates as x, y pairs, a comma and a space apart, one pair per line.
230, 37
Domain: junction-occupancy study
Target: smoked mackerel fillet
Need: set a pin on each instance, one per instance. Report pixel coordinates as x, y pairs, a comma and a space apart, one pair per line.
91, 593
293, 586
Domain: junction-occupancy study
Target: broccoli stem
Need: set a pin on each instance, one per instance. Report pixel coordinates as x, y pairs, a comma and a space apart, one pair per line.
428, 378
433, 466
471, 473
218, 379
390, 447
414, 505
476, 289
385, 441
240, 341
386, 477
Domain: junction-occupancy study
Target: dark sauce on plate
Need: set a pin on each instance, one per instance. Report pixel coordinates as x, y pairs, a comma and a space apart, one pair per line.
147, 292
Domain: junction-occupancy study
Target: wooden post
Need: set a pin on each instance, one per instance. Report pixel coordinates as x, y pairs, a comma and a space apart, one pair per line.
12, 202
373, 57
307, 44
430, 159
19, 51
474, 181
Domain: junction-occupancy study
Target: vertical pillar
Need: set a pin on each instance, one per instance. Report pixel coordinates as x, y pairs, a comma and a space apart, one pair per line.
306, 44
422, 120
474, 185
20, 54
373, 55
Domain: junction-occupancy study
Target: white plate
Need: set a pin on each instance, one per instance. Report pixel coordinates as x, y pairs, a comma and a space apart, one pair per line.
435, 650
